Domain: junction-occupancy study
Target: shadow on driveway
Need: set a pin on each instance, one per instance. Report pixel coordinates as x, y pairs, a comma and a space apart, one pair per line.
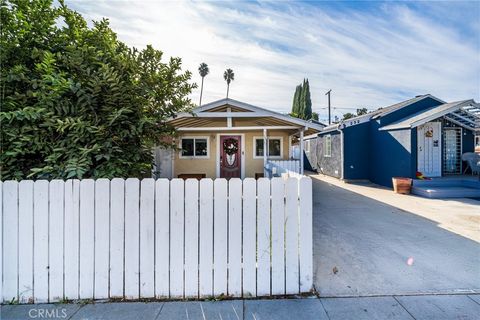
362, 246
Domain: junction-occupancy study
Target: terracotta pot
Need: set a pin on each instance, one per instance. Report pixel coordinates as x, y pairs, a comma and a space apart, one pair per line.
402, 185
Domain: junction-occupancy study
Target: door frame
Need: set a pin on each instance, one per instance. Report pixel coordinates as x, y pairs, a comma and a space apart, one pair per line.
440, 146
242, 153
461, 148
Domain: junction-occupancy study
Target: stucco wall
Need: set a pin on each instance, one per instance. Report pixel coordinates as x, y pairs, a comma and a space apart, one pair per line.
331, 166
209, 166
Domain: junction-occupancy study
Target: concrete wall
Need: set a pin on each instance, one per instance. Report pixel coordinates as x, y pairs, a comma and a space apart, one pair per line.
209, 166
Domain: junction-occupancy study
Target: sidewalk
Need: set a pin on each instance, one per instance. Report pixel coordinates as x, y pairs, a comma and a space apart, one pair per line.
435, 307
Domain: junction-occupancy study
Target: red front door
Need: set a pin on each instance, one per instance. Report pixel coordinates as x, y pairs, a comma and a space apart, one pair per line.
230, 156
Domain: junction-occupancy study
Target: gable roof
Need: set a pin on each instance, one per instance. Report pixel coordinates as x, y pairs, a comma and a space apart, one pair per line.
378, 113
470, 119
397, 106
230, 108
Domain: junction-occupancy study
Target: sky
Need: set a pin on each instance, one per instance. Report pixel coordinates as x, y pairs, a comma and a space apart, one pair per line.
370, 54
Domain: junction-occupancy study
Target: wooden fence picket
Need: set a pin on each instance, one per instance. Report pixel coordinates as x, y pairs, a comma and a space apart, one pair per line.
249, 237
55, 248
235, 237
25, 240
220, 237
278, 236
40, 241
132, 238
87, 236
72, 228
177, 221
191, 238
306, 234
291, 236
162, 238
206, 238
147, 238
102, 237
117, 229
263, 237
10, 229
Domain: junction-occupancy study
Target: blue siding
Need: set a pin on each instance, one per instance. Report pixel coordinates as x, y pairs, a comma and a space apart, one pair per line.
391, 154
357, 151
468, 141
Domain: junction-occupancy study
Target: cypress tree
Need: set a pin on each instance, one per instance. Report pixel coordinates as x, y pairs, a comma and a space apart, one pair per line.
301, 101
307, 107
295, 104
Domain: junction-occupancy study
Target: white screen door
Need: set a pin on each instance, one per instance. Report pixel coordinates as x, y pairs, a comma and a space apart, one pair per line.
429, 148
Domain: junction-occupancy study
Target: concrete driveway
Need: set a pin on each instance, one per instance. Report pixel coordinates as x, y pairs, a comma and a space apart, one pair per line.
369, 241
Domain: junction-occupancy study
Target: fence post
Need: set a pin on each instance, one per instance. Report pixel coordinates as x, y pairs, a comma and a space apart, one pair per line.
306, 239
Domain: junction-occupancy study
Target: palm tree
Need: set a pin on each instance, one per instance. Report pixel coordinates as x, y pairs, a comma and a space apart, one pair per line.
228, 75
203, 70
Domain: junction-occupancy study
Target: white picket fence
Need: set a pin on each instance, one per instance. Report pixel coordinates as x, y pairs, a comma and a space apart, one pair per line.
279, 167
155, 238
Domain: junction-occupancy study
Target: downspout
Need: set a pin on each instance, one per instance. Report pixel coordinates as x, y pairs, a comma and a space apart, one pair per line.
341, 149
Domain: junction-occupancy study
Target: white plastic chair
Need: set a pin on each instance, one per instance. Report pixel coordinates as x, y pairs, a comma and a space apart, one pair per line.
473, 161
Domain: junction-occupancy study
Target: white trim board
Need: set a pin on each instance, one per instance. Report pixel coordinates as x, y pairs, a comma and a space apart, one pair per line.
255, 138
180, 156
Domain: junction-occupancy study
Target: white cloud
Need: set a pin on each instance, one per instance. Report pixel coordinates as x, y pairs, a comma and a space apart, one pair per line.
369, 58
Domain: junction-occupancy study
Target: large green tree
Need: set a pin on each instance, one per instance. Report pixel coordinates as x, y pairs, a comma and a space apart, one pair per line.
302, 102
75, 101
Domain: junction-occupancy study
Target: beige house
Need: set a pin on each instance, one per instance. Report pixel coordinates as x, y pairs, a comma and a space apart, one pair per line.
226, 139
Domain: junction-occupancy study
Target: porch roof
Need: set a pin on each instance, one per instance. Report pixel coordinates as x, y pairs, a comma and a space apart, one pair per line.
229, 114
464, 113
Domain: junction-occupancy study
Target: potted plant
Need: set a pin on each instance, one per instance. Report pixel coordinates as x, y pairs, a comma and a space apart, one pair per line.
402, 185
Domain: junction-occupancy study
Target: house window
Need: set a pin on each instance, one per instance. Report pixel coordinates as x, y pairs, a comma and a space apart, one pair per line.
275, 147
194, 147
307, 146
327, 146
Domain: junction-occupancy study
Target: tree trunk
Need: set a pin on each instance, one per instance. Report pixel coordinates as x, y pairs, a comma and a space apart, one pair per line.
228, 87
201, 93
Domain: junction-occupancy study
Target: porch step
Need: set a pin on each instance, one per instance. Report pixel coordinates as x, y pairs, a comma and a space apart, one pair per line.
439, 189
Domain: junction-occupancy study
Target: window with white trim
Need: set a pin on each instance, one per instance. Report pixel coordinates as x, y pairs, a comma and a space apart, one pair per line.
327, 145
275, 147
194, 147
306, 144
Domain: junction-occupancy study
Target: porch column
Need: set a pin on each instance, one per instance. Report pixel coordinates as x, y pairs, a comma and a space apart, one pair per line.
301, 151
265, 149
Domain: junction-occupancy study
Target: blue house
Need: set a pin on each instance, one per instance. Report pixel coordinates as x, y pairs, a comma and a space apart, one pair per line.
423, 134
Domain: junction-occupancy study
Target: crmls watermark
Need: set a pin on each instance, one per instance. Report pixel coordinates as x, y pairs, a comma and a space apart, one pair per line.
47, 313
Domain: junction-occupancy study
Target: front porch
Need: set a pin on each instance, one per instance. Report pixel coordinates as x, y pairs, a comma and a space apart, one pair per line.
231, 139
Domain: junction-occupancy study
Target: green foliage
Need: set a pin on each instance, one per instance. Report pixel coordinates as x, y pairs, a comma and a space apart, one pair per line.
296, 101
362, 111
229, 76
302, 102
75, 101
350, 115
